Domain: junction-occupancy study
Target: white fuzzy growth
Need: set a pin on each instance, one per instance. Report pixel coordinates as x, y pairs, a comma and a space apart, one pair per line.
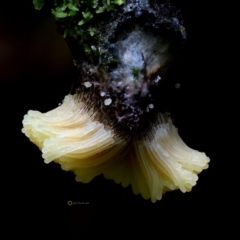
102, 94
143, 4
107, 101
141, 55
69, 136
87, 84
151, 106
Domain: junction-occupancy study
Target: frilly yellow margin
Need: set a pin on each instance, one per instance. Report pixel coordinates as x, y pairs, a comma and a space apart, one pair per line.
69, 136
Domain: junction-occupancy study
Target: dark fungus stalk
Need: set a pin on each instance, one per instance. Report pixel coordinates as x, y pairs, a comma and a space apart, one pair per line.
122, 51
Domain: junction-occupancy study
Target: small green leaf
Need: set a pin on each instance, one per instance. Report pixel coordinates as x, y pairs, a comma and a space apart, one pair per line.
87, 15
92, 31
59, 14
72, 13
72, 7
38, 4
87, 49
110, 7
119, 2
94, 48
61, 9
91, 3
100, 9
81, 22
101, 51
107, 2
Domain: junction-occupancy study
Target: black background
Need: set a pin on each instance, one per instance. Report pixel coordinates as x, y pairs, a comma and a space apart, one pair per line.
36, 73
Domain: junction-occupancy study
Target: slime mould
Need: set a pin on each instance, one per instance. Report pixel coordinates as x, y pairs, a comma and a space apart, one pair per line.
114, 122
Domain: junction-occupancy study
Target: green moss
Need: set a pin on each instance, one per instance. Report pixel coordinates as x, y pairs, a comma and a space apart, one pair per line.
38, 4
88, 8
77, 18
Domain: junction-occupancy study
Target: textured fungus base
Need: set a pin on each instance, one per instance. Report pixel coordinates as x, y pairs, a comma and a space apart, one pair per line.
70, 136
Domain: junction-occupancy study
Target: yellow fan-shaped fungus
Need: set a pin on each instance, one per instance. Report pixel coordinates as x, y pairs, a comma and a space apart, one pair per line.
70, 136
